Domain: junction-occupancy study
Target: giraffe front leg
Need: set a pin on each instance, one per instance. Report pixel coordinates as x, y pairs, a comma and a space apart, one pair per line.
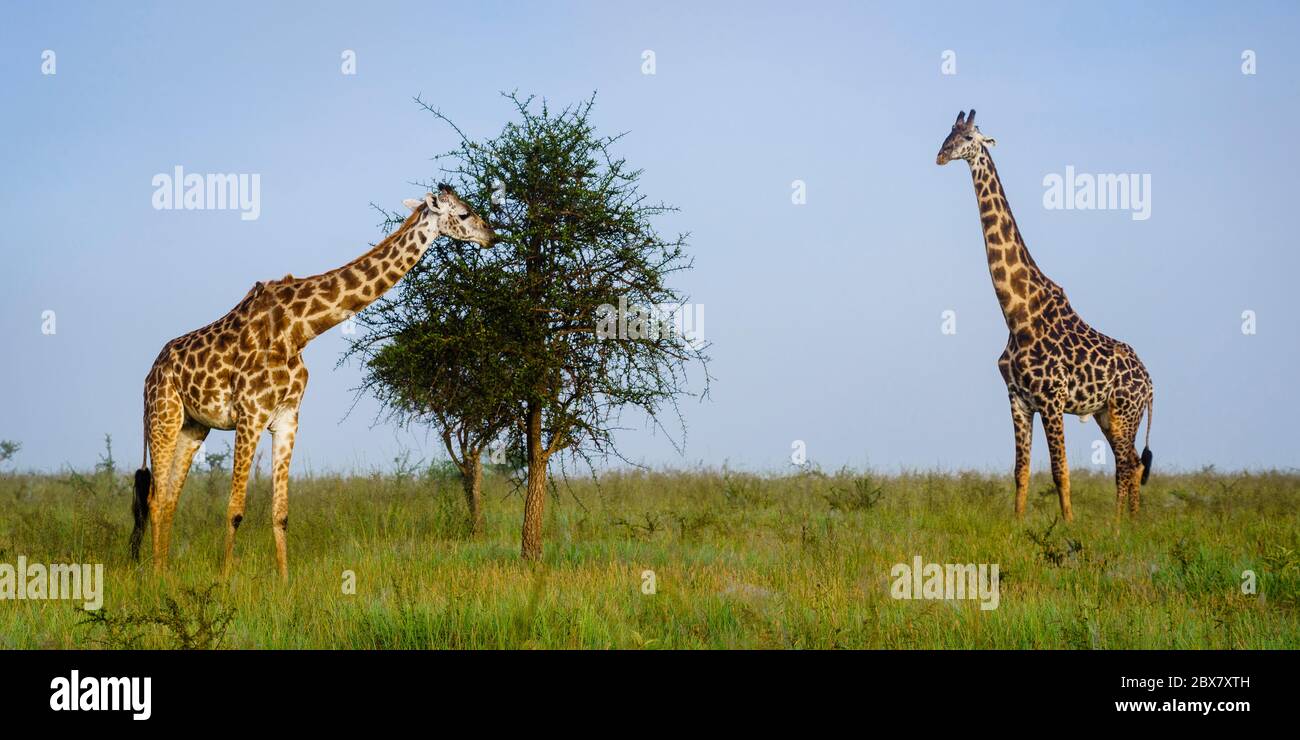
1023, 419
283, 431
1054, 425
247, 431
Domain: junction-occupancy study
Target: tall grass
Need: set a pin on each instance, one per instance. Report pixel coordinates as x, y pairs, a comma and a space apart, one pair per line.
738, 561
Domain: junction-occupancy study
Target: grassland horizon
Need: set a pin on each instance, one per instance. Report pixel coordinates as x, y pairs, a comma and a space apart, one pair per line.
700, 558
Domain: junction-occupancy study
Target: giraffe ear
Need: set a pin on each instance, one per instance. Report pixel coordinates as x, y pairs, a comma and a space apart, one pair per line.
432, 200
988, 141
412, 203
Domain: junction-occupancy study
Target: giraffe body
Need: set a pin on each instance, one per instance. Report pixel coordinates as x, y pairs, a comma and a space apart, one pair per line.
244, 372
1054, 363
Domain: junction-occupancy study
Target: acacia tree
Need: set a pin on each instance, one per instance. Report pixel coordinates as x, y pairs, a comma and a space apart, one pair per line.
576, 239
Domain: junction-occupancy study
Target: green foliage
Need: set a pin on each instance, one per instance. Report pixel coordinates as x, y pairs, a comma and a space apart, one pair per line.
475, 340
433, 355
215, 475
8, 449
216, 461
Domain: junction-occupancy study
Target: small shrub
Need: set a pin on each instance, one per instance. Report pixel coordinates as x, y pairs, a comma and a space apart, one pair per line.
1056, 554
195, 621
649, 525
742, 492
865, 495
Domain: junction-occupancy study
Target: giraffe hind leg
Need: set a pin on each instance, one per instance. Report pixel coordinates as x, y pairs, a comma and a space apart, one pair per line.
166, 416
1023, 420
1137, 466
188, 440
191, 438
1054, 426
1140, 466
1121, 432
1112, 427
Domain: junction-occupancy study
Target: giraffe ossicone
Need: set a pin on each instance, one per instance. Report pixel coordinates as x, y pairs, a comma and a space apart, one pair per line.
1054, 363
244, 372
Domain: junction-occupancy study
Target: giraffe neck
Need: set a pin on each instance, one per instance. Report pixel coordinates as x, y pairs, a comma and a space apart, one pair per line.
325, 300
1016, 278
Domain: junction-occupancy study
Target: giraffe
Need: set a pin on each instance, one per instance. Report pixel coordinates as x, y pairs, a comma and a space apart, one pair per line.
1054, 363
245, 372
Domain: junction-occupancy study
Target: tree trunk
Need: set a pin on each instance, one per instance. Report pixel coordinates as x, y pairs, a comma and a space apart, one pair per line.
535, 500
471, 478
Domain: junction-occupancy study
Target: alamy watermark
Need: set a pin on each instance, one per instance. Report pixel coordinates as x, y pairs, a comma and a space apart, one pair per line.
77, 693
922, 580
685, 320
1101, 192
56, 581
181, 191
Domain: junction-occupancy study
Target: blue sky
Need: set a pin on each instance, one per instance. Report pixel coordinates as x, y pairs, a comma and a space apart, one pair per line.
824, 317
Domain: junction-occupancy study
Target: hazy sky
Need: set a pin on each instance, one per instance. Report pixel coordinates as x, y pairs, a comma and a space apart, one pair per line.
825, 318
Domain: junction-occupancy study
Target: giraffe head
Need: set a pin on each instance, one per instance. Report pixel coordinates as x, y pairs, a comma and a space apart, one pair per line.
964, 141
452, 217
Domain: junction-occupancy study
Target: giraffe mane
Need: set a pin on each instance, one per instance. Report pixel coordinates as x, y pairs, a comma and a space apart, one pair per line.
407, 225
410, 221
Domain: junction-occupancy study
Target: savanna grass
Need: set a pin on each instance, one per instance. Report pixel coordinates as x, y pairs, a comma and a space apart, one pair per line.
738, 561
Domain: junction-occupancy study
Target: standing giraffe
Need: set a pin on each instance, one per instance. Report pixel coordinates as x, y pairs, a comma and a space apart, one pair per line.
1054, 363
245, 372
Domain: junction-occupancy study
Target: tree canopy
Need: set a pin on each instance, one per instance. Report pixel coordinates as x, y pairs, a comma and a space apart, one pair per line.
568, 321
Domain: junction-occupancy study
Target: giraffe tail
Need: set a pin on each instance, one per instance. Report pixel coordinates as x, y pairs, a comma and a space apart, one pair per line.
1146, 445
140, 501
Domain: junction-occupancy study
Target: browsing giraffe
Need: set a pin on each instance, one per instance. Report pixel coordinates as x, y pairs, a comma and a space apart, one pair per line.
244, 372
1054, 363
